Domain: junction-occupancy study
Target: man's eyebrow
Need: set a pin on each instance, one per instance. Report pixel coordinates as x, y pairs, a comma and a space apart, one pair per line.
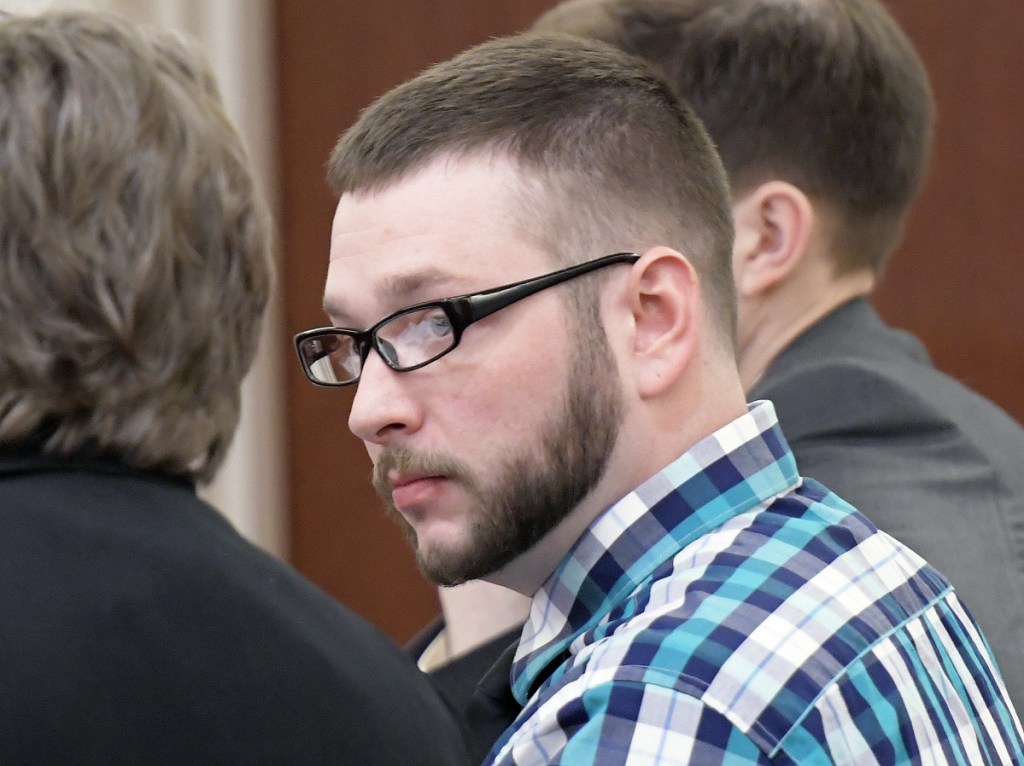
337, 314
400, 291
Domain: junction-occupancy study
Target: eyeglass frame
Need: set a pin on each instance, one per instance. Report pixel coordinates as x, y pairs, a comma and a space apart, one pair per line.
460, 310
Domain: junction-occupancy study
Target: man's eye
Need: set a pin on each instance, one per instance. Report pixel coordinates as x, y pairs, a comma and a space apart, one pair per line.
438, 325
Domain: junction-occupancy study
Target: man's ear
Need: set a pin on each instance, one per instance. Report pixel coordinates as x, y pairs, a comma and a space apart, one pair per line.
666, 309
774, 222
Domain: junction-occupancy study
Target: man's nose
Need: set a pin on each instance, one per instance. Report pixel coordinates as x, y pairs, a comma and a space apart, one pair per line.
382, 407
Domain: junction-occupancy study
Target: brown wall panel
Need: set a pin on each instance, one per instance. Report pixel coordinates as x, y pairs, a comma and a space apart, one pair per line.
956, 279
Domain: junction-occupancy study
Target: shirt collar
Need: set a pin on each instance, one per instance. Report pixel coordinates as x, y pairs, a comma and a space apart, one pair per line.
743, 464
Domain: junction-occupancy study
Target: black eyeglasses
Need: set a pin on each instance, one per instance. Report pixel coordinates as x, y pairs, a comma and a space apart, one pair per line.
417, 335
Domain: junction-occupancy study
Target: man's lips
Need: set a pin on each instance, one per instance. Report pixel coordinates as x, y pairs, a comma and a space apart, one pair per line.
414, 491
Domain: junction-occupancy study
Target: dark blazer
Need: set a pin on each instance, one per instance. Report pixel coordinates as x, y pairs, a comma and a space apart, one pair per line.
139, 627
926, 459
475, 686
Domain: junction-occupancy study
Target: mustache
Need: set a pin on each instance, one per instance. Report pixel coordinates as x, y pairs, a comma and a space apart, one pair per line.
406, 460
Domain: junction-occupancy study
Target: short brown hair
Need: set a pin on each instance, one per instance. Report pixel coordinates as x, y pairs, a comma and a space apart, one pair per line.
827, 94
134, 253
612, 158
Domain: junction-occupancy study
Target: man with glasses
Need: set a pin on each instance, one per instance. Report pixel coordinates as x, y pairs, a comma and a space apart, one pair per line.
823, 116
572, 425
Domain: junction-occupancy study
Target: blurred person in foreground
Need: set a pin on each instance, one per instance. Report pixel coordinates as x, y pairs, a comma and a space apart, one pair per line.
823, 115
134, 268
530, 284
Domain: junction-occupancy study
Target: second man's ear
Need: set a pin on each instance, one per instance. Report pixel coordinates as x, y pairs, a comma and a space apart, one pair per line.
774, 223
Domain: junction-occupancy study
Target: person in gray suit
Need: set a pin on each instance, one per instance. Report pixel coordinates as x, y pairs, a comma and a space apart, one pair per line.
823, 115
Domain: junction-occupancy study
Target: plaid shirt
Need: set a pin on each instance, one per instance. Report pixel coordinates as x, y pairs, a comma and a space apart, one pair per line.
727, 611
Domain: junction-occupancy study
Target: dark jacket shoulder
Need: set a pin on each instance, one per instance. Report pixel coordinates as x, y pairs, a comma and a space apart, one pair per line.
150, 631
929, 461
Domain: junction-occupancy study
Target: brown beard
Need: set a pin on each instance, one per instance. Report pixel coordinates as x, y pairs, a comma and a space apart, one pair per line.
534, 489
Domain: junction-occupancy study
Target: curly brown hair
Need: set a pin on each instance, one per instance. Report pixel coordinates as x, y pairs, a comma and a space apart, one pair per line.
134, 251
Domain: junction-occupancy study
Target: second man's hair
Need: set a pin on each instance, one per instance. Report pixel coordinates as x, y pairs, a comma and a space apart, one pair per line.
826, 94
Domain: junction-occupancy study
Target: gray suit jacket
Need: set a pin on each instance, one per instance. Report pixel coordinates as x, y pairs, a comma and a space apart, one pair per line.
929, 461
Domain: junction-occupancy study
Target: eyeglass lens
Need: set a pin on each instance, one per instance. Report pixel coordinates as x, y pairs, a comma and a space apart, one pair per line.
414, 337
406, 340
331, 358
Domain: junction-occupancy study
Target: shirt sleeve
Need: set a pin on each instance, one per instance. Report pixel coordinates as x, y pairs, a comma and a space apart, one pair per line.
628, 722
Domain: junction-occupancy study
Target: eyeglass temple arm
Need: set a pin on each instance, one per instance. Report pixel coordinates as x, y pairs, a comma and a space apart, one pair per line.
473, 308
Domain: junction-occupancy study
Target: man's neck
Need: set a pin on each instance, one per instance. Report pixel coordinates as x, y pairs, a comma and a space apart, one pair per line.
775, 321
477, 611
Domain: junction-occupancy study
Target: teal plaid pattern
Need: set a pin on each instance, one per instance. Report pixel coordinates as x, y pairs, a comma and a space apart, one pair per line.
729, 612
